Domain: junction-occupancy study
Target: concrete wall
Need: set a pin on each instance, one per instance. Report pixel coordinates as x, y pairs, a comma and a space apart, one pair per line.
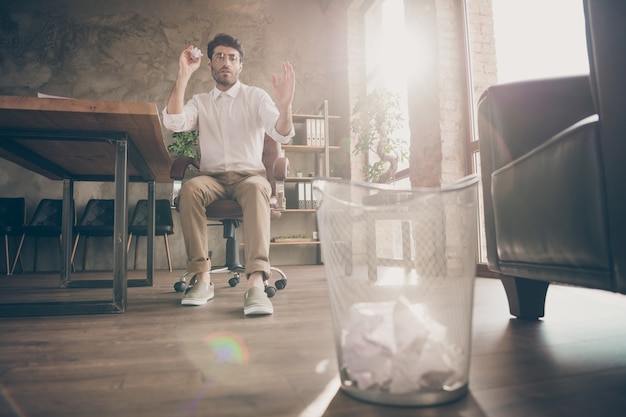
129, 49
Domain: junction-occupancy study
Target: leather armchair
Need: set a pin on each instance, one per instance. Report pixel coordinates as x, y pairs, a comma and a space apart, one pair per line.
553, 169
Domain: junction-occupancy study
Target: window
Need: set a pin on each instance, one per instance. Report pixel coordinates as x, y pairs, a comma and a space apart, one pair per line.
535, 39
539, 39
386, 59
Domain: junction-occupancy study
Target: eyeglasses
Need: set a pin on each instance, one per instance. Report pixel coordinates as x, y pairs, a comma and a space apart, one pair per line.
220, 57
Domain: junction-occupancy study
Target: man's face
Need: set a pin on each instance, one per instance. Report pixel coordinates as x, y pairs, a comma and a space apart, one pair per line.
225, 66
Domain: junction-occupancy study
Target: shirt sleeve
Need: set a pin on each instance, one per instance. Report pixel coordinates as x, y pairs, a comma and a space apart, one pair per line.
187, 120
269, 115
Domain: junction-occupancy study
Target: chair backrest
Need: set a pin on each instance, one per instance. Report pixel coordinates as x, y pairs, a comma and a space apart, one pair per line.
163, 221
270, 156
271, 152
98, 218
606, 31
12, 214
47, 214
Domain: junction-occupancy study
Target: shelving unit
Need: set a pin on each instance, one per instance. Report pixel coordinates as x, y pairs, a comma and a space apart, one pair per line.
315, 163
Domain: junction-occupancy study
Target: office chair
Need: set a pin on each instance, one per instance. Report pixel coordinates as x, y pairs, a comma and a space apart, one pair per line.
97, 221
163, 225
46, 222
230, 215
12, 219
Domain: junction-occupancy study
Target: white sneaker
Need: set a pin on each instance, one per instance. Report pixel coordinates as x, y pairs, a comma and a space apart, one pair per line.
257, 303
198, 295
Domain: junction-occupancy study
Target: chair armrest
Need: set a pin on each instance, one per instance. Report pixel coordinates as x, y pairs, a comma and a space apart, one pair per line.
180, 165
278, 175
281, 168
515, 118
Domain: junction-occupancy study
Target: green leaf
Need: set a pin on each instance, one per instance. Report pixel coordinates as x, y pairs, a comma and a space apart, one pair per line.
376, 116
185, 144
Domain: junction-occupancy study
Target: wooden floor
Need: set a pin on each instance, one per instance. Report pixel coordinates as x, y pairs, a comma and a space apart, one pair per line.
161, 359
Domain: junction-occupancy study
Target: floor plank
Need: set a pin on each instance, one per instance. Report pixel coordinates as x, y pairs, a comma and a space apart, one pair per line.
162, 359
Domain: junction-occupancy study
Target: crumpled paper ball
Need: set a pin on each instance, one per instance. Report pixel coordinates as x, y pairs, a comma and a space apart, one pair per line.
398, 347
195, 54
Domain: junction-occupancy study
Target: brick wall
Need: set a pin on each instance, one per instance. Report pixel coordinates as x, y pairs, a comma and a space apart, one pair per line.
440, 113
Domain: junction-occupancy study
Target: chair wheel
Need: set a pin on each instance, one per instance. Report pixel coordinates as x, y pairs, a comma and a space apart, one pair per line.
180, 286
281, 282
233, 281
270, 291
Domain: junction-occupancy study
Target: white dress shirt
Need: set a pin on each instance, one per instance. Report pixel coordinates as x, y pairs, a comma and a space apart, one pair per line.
231, 127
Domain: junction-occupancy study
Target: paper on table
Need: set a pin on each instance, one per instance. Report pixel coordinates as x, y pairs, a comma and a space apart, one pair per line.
44, 95
398, 347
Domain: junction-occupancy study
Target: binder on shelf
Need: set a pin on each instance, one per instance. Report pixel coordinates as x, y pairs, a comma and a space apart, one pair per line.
300, 133
308, 195
318, 132
314, 201
301, 195
313, 132
309, 132
291, 195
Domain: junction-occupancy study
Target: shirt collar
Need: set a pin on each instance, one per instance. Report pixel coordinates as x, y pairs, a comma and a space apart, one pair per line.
232, 91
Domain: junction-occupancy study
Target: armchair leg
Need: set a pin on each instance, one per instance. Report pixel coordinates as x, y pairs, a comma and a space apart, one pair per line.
527, 297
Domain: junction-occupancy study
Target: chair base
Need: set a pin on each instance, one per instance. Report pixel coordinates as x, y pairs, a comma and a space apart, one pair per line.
232, 265
187, 279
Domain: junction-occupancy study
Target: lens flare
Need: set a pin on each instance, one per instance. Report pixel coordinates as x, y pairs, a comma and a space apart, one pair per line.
15, 407
227, 348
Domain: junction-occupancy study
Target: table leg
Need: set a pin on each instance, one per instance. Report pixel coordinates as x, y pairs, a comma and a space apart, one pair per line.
67, 222
150, 232
120, 227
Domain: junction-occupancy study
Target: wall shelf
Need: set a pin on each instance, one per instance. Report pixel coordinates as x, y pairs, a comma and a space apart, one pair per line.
314, 161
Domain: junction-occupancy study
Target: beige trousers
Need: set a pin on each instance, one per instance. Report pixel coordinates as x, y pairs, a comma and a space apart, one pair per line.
252, 191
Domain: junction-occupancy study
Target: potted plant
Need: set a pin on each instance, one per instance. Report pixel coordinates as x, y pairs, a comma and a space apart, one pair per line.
375, 119
185, 144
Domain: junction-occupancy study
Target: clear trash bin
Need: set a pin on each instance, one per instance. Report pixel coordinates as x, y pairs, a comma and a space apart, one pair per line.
400, 266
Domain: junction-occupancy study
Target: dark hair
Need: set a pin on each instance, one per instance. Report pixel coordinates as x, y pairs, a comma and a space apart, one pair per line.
222, 39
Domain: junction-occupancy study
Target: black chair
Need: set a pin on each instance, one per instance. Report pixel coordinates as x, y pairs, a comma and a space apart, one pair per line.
46, 222
163, 225
229, 213
12, 219
97, 221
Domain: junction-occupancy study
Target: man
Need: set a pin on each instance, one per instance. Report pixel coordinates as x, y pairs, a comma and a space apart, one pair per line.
232, 120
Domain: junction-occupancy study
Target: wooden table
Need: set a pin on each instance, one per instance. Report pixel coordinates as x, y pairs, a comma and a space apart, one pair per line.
87, 140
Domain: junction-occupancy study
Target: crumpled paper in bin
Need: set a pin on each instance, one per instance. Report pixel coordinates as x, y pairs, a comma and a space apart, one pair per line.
399, 348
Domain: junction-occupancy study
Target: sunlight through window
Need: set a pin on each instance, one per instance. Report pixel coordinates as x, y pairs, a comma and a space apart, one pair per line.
539, 39
387, 56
